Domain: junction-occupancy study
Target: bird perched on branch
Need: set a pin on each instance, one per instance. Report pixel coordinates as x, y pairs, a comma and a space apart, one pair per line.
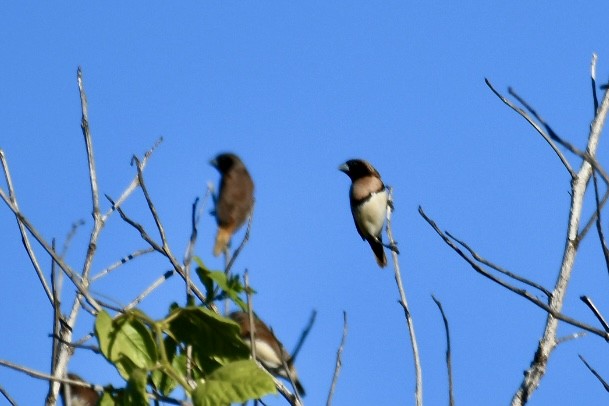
368, 198
269, 350
235, 198
78, 395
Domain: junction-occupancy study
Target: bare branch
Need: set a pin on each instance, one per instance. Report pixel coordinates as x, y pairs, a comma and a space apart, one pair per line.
120, 262
572, 148
404, 303
547, 343
599, 227
246, 238
7, 396
596, 312
149, 290
521, 292
250, 312
339, 361
596, 374
449, 365
134, 183
84, 125
158, 248
545, 136
593, 80
75, 278
24, 237
570, 337
478, 258
304, 335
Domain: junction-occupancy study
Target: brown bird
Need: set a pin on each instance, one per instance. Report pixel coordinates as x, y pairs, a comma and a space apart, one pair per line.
368, 198
269, 350
78, 395
235, 198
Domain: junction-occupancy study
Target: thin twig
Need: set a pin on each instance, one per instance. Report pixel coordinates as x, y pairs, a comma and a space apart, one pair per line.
596, 312
250, 312
519, 278
191, 246
599, 226
303, 335
570, 337
120, 262
545, 136
572, 148
84, 125
24, 237
149, 290
449, 364
146, 237
593, 80
74, 277
77, 344
596, 374
246, 238
284, 363
292, 399
135, 182
7, 396
404, 303
521, 292
339, 361
41, 375
56, 311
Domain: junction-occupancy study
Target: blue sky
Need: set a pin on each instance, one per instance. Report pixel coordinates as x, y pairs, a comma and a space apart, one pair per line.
295, 90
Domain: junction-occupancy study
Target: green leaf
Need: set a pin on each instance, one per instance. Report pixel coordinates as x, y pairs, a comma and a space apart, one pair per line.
126, 342
236, 382
103, 329
163, 382
230, 286
106, 400
211, 336
135, 393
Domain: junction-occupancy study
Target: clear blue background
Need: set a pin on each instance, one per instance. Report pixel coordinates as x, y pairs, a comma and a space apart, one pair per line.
296, 89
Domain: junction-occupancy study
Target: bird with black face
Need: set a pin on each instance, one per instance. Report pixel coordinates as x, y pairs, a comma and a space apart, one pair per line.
235, 198
269, 350
368, 199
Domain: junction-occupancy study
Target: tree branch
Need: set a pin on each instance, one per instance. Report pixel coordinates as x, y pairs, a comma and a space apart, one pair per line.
404, 303
339, 361
449, 364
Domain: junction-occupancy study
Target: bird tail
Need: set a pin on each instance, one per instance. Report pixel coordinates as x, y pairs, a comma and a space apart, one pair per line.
379, 252
222, 240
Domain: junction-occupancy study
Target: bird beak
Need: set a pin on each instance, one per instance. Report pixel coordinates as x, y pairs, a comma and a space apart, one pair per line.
344, 168
214, 163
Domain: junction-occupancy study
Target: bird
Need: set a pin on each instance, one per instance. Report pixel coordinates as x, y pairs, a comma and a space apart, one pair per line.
235, 198
368, 199
269, 350
79, 395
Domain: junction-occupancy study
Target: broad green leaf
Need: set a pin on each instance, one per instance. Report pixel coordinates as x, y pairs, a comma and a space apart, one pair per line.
211, 336
125, 342
235, 382
103, 329
135, 393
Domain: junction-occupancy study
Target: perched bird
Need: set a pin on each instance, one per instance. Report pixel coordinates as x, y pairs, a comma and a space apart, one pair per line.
368, 198
269, 350
78, 395
235, 198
